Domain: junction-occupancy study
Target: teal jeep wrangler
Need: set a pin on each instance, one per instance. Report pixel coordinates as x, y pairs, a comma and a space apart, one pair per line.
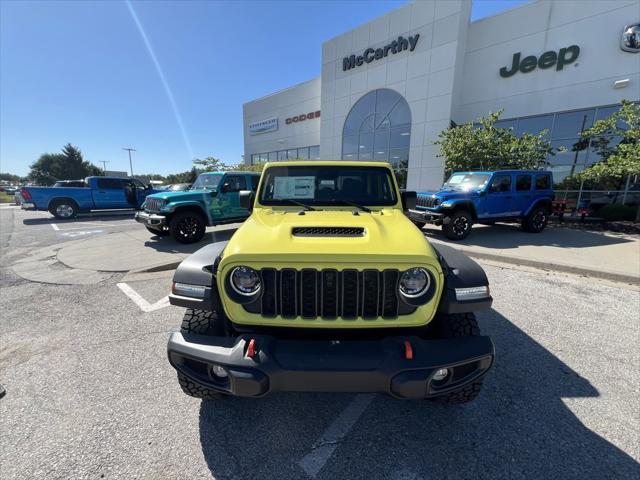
213, 199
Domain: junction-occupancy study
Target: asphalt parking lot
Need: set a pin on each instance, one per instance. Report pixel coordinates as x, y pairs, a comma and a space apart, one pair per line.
90, 393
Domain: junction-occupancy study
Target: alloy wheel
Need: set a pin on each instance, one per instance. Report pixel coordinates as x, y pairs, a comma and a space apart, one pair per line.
188, 227
64, 210
460, 226
538, 220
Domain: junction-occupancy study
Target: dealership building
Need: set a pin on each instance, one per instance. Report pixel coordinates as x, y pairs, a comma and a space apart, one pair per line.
390, 86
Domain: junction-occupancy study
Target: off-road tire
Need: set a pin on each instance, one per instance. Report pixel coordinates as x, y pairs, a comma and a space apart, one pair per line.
159, 233
187, 226
197, 390
452, 326
536, 221
459, 225
201, 322
68, 206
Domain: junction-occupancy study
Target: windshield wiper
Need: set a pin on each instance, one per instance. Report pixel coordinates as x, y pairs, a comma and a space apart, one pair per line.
361, 207
300, 204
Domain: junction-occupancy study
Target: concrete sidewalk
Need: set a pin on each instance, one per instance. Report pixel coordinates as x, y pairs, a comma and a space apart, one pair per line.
135, 250
613, 256
596, 254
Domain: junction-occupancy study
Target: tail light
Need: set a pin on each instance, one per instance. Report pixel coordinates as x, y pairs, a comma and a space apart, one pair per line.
25, 194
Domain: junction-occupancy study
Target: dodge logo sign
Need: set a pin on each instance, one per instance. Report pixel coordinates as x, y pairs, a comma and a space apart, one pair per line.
303, 117
630, 41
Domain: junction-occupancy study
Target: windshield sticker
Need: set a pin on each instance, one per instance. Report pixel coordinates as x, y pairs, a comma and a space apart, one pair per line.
294, 187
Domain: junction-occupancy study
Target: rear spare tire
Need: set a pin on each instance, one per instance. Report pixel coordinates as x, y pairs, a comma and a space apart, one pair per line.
187, 226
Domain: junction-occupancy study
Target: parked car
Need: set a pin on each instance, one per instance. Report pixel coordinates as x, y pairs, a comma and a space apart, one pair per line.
485, 198
328, 287
176, 187
213, 199
99, 193
70, 183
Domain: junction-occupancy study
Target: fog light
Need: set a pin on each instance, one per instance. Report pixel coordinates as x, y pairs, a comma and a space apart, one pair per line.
440, 374
219, 371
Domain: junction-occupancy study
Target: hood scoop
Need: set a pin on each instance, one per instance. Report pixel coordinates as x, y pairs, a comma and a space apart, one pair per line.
327, 231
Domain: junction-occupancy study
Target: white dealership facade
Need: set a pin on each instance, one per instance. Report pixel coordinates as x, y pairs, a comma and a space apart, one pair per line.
389, 87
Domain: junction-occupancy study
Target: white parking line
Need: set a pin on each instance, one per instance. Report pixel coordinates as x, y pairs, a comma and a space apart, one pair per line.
141, 302
315, 460
81, 226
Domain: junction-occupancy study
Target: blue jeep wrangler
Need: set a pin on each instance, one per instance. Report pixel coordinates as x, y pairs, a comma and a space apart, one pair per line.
487, 197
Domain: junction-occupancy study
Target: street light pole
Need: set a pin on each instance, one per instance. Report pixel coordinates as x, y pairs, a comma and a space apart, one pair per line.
104, 165
130, 164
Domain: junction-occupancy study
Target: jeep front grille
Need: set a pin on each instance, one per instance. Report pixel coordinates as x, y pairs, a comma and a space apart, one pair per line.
153, 204
428, 202
327, 231
329, 294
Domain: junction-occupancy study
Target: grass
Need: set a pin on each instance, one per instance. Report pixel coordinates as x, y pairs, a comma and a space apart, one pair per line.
5, 198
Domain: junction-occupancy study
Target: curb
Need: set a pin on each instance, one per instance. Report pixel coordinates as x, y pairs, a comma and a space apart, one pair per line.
603, 274
160, 267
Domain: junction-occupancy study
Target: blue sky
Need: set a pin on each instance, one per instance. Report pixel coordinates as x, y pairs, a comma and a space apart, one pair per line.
81, 72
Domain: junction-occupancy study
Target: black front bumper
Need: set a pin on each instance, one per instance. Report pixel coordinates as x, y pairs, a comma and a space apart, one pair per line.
425, 216
151, 220
282, 365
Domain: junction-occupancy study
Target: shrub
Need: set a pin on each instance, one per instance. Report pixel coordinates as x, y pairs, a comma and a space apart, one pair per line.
617, 212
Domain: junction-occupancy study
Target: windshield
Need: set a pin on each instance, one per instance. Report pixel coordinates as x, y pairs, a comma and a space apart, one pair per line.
328, 185
467, 181
207, 180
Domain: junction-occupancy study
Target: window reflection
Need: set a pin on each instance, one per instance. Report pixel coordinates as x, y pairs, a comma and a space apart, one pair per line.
378, 127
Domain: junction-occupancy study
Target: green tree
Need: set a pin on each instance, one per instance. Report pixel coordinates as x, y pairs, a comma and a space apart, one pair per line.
68, 165
243, 167
486, 147
621, 160
10, 177
209, 164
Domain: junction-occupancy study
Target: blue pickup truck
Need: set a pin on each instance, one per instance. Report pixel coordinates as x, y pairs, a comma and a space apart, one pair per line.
98, 193
213, 199
523, 196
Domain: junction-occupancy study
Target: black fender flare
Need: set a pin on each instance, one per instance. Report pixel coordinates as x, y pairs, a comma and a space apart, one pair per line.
541, 201
461, 272
199, 269
463, 205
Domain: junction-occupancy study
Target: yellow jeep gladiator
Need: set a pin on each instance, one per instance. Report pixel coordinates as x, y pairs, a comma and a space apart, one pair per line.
329, 287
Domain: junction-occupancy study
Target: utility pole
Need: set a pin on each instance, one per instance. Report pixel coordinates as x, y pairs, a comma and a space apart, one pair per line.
104, 165
130, 164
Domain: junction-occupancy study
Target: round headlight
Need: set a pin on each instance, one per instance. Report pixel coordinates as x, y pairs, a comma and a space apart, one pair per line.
245, 280
414, 282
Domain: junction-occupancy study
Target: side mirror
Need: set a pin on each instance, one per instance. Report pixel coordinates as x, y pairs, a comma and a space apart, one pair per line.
246, 199
409, 200
225, 188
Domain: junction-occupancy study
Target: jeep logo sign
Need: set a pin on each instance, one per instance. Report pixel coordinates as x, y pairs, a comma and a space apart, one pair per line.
565, 56
370, 54
303, 117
